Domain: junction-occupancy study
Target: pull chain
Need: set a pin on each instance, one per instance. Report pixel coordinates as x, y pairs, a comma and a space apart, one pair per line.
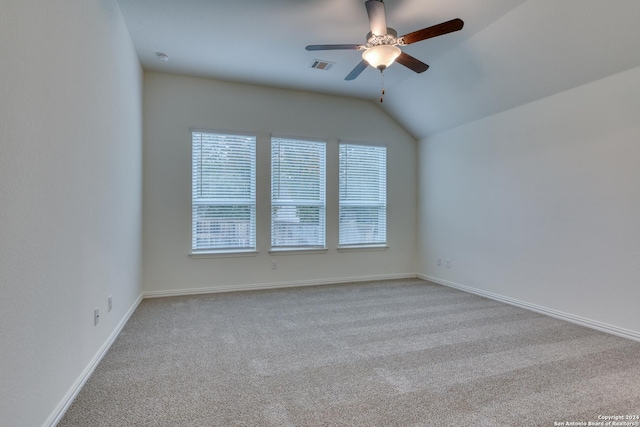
382, 84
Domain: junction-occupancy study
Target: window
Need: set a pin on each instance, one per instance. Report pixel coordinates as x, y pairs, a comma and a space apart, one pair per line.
297, 193
363, 195
224, 192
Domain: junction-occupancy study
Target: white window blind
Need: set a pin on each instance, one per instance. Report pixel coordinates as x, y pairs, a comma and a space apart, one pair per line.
224, 192
363, 195
297, 193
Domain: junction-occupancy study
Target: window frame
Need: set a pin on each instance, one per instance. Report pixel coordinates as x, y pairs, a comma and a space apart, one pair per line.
373, 244
221, 251
322, 204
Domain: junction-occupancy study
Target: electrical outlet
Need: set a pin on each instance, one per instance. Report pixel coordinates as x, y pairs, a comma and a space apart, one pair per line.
96, 316
274, 264
109, 303
448, 263
439, 262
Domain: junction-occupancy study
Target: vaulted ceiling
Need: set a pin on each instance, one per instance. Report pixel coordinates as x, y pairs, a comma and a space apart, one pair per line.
510, 52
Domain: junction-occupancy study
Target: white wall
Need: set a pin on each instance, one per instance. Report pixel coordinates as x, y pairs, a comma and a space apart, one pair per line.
70, 196
175, 103
541, 203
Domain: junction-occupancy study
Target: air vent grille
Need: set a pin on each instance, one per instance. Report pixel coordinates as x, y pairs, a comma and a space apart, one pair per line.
320, 64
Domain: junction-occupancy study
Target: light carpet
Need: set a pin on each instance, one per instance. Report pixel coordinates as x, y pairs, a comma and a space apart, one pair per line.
390, 353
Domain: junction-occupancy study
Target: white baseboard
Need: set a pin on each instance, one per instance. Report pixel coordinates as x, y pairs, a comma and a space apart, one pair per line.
68, 399
274, 285
593, 324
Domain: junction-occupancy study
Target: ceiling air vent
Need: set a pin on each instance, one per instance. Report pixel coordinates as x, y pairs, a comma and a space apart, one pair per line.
322, 65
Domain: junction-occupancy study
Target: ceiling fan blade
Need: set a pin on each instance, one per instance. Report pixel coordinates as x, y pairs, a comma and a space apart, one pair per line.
334, 47
356, 71
411, 63
377, 19
435, 31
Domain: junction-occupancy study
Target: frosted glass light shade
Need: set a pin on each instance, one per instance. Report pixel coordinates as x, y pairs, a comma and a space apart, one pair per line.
381, 56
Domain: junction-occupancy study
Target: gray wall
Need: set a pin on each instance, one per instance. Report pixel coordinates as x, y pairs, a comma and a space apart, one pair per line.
541, 203
70, 196
173, 104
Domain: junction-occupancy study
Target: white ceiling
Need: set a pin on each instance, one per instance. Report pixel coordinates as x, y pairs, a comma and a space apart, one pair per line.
509, 52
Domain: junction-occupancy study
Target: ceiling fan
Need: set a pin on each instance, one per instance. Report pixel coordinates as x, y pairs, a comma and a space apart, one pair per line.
381, 49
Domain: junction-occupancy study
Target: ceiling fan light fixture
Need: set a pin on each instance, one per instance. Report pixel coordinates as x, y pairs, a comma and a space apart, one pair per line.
381, 56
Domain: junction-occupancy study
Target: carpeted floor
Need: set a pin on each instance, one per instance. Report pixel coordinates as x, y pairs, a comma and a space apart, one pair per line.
393, 353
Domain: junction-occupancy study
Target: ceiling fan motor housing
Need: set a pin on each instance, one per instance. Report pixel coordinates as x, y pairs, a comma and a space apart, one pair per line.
387, 39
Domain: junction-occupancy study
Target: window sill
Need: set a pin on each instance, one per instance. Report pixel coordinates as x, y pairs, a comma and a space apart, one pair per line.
222, 254
362, 248
298, 251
